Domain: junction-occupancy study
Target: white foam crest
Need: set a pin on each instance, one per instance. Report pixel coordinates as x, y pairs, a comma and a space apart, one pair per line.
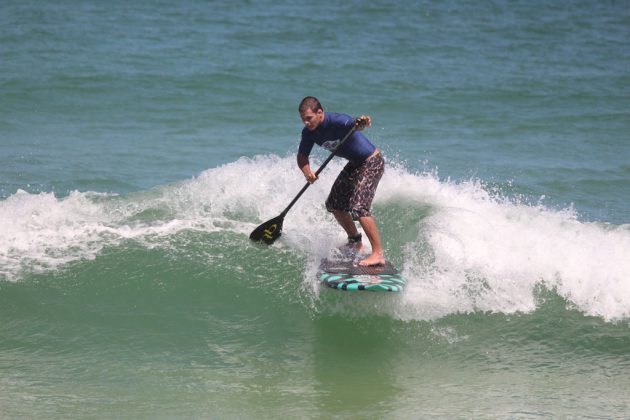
39, 231
243, 194
480, 252
256, 190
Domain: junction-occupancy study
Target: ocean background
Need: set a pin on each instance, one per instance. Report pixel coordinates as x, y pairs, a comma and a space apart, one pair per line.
141, 142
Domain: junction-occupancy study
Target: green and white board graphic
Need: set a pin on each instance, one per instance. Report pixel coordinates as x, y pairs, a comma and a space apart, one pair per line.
347, 275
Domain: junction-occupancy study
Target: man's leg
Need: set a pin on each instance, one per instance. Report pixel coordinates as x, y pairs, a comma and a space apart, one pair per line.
371, 231
344, 218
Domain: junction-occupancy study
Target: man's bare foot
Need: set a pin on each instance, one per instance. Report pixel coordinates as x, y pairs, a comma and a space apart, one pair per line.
375, 258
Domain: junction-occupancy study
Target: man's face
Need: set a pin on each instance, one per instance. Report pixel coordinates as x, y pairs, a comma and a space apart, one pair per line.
311, 119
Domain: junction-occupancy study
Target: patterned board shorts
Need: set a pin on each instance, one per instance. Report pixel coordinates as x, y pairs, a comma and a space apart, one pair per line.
354, 188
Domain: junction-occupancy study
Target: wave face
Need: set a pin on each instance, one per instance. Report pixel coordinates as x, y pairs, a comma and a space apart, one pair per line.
464, 247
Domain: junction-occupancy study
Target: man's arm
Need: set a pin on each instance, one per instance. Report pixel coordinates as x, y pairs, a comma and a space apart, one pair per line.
303, 164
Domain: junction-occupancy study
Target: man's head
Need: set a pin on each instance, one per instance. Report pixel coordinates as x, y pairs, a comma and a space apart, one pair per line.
311, 112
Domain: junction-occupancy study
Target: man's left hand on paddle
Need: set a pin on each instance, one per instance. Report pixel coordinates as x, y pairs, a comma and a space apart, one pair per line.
310, 177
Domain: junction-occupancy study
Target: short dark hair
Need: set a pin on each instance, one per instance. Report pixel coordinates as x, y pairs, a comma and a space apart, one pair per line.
310, 102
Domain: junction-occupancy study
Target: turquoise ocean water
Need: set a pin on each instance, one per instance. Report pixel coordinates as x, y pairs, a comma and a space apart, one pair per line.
141, 142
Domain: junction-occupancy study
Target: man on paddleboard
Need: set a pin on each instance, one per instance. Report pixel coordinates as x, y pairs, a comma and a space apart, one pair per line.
352, 193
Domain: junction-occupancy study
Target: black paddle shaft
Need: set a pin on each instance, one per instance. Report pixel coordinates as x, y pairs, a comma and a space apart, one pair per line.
321, 168
271, 230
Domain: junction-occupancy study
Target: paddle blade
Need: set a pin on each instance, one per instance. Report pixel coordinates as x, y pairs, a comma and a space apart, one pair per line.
269, 231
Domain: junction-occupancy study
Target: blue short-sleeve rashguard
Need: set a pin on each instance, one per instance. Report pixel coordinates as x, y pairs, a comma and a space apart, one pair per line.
330, 132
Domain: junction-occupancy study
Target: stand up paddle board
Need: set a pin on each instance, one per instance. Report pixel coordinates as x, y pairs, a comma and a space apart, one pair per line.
348, 275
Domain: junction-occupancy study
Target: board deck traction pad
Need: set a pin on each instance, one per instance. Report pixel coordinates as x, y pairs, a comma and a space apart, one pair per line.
346, 275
